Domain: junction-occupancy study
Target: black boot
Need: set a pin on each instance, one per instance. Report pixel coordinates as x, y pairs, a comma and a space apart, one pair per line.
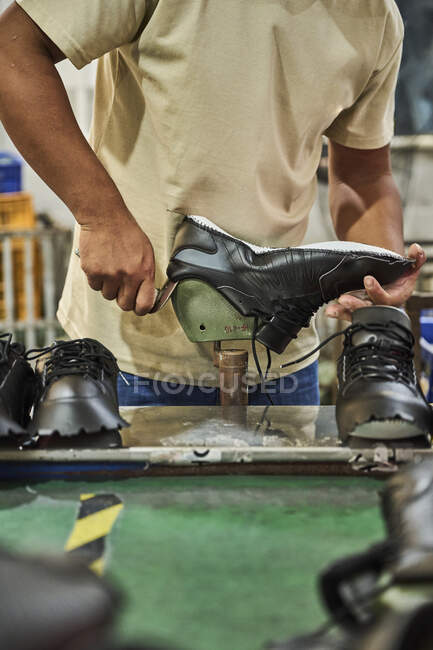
17, 387
379, 396
410, 629
282, 287
77, 389
52, 605
407, 508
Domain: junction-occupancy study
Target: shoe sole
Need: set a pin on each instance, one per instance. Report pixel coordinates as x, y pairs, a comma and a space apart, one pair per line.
75, 417
390, 429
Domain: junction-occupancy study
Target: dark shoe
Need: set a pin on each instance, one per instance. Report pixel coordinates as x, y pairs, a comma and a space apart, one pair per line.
282, 287
407, 509
396, 574
52, 605
349, 586
17, 387
379, 396
77, 389
410, 629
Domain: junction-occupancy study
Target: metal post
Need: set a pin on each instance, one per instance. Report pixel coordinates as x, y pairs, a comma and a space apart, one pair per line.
233, 366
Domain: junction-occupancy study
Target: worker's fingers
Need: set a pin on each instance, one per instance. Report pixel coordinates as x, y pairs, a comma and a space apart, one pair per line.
352, 302
146, 296
417, 253
376, 292
95, 283
127, 294
109, 289
338, 311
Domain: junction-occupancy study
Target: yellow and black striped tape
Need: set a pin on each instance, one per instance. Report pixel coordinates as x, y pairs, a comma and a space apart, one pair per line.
96, 518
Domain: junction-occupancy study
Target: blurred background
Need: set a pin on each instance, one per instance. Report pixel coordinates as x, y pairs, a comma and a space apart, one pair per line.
36, 227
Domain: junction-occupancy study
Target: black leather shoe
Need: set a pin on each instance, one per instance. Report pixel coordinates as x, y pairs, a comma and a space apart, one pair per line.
77, 389
52, 605
379, 396
17, 387
407, 509
282, 287
350, 585
410, 629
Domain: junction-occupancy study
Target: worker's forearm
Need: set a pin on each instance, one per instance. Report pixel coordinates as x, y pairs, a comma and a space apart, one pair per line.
369, 212
36, 113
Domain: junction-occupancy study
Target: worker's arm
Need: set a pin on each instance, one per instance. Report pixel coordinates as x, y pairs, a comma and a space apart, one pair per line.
116, 255
366, 207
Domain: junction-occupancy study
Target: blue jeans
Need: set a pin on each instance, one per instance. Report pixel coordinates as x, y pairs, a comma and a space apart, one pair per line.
299, 389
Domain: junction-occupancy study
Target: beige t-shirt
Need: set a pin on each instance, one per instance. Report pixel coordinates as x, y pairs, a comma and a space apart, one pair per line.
217, 108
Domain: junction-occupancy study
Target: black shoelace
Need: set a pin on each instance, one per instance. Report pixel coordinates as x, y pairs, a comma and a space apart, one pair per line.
291, 316
383, 359
79, 356
263, 377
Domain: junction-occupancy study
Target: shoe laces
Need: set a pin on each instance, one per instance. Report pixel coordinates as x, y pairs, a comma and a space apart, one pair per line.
299, 312
389, 359
262, 376
291, 315
77, 357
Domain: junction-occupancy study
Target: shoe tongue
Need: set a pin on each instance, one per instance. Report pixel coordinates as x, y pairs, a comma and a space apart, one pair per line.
377, 314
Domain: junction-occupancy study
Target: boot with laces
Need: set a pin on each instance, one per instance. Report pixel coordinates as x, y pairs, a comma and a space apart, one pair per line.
77, 390
379, 396
17, 387
407, 509
53, 604
409, 629
281, 287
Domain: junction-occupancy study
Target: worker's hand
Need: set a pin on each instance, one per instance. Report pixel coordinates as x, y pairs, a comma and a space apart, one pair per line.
395, 294
118, 260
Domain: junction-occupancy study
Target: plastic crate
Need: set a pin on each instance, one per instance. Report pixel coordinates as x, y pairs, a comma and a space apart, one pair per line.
16, 212
10, 172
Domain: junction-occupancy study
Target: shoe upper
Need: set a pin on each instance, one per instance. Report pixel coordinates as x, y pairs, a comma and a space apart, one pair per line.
407, 509
17, 386
283, 287
77, 389
376, 371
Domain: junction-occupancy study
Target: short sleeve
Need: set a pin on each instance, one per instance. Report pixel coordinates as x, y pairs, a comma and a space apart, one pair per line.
369, 122
86, 29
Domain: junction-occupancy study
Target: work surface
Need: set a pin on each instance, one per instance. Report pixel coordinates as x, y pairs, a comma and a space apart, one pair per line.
213, 562
205, 562
211, 439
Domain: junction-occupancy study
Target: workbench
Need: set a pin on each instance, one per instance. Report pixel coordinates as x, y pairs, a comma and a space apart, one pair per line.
210, 440
227, 517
